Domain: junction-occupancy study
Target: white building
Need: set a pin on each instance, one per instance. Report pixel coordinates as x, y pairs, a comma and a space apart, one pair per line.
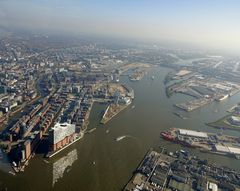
62, 130
124, 100
191, 133
212, 186
227, 149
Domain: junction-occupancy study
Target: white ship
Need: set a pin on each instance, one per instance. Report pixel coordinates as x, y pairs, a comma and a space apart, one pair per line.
121, 137
223, 98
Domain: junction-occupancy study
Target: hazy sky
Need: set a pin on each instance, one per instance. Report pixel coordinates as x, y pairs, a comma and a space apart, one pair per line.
215, 23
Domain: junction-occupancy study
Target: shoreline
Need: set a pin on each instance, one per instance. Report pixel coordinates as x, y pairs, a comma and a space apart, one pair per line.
105, 120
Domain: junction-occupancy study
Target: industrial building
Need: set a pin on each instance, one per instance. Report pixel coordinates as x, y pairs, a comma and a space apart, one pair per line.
227, 149
191, 133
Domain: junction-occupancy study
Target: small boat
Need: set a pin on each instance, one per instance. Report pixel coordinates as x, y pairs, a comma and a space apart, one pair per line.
120, 138
179, 115
107, 131
153, 77
91, 130
94, 163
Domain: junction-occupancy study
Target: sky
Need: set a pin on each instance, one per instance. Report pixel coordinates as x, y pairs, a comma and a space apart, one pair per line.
209, 23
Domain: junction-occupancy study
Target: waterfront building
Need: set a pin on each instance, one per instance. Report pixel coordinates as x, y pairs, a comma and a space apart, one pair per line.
61, 135
227, 150
124, 100
191, 133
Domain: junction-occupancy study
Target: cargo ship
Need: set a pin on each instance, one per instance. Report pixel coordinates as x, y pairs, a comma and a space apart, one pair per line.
167, 135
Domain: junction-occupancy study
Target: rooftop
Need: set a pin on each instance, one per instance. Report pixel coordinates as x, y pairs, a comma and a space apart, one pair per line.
193, 133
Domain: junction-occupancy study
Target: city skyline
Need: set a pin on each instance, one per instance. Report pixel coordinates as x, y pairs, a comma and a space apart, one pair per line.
139, 95
212, 24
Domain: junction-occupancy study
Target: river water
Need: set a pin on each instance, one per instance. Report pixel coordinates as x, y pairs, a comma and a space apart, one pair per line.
99, 163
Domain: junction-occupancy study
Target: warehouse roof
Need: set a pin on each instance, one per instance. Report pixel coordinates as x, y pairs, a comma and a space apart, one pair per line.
227, 149
234, 150
222, 148
193, 133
